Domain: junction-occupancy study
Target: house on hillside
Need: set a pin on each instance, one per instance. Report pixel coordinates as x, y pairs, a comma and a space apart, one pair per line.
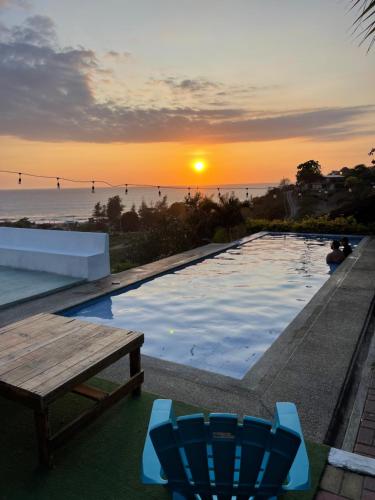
334, 181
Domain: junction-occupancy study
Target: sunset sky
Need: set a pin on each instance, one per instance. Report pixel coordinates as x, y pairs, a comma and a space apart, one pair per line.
136, 91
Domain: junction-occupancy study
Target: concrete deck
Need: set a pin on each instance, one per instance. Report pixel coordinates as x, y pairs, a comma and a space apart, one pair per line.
309, 364
19, 285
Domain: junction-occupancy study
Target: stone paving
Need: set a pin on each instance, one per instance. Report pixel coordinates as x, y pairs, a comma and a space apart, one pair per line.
338, 484
365, 442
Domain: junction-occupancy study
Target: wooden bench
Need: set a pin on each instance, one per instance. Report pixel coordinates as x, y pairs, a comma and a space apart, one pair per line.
46, 356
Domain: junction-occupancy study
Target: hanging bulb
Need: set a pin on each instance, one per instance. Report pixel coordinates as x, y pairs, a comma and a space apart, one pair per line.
159, 192
247, 192
189, 193
274, 196
218, 193
126, 189
58, 182
19, 178
299, 194
93, 187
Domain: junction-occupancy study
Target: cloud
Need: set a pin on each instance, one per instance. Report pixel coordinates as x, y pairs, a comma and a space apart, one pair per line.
48, 94
188, 84
118, 56
36, 30
24, 4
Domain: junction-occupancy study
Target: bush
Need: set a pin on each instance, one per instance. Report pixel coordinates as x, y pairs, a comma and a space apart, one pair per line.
221, 236
322, 225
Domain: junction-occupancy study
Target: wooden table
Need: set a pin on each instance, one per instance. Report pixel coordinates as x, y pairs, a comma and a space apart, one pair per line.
46, 356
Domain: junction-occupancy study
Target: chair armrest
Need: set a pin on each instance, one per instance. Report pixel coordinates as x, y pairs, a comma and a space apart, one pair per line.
299, 475
162, 410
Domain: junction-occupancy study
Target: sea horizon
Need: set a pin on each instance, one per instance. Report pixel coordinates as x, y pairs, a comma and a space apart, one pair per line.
51, 205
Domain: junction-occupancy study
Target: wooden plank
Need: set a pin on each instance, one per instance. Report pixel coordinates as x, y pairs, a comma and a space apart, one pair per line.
30, 338
25, 397
14, 359
79, 363
90, 392
41, 360
17, 324
61, 373
66, 432
43, 437
26, 325
78, 353
31, 345
135, 367
53, 389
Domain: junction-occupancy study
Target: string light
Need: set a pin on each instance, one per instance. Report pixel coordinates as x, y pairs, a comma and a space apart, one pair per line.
189, 196
92, 182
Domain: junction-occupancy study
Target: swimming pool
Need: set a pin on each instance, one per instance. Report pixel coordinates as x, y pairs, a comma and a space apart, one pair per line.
222, 313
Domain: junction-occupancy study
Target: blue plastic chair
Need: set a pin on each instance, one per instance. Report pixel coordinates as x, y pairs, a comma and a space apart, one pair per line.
222, 457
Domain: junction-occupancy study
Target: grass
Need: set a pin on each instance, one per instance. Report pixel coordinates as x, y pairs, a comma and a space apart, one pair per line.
101, 463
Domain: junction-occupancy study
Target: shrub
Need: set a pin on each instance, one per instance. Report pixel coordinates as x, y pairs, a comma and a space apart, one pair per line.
339, 225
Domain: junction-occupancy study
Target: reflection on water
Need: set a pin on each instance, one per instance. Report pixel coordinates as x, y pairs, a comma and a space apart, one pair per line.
223, 313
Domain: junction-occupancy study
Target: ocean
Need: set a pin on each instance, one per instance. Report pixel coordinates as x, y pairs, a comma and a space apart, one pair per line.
57, 206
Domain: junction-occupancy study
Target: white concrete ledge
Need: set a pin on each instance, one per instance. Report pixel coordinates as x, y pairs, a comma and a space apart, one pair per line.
352, 462
69, 253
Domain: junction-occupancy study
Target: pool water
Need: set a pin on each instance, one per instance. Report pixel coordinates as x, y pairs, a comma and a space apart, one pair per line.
220, 314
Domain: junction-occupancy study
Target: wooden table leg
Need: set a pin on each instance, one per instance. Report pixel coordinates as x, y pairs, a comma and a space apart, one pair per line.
43, 435
135, 367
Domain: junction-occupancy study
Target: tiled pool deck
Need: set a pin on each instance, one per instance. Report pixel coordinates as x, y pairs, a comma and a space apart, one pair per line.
19, 285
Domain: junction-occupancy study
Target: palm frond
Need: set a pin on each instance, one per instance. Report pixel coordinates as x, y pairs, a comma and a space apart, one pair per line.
364, 24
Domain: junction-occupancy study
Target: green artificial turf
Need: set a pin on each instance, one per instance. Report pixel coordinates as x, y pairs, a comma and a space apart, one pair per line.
102, 462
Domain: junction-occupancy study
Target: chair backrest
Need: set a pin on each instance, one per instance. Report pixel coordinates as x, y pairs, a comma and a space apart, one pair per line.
224, 457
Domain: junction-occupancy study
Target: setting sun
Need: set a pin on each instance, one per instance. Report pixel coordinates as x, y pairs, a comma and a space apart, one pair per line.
199, 166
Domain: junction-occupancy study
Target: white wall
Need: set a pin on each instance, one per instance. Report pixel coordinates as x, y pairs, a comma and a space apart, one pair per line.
71, 253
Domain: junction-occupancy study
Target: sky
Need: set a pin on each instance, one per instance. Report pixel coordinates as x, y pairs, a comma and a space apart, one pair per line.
136, 92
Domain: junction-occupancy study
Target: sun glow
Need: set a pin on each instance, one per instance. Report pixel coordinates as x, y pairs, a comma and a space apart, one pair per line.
199, 166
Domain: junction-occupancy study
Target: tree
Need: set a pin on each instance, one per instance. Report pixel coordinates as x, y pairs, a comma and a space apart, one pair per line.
284, 183
365, 22
230, 211
99, 211
130, 220
308, 172
114, 210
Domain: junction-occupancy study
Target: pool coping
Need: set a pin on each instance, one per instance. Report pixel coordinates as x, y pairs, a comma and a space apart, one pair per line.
300, 366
